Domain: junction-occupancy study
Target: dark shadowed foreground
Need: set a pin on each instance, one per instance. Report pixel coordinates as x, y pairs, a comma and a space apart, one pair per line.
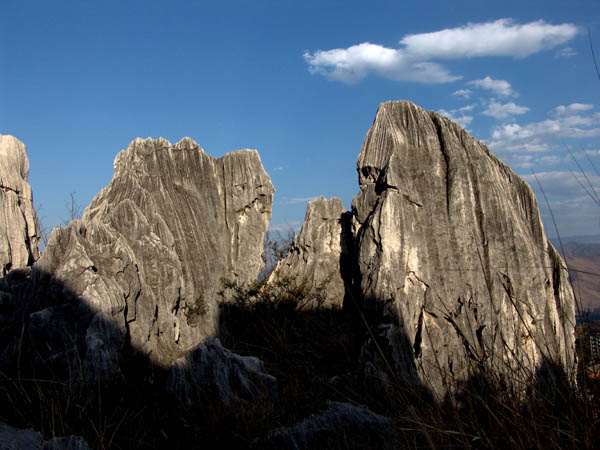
334, 386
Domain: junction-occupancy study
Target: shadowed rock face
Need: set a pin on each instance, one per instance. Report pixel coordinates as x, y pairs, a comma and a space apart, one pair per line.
19, 228
319, 253
152, 246
453, 239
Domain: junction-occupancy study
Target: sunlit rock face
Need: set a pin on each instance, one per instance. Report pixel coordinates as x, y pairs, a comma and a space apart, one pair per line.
319, 255
452, 239
19, 228
151, 248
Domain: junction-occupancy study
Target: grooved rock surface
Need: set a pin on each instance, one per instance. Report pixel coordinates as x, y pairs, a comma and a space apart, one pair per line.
149, 252
320, 253
212, 373
19, 228
452, 239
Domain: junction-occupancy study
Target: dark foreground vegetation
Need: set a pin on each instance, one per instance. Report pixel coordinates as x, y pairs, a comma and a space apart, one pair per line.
314, 354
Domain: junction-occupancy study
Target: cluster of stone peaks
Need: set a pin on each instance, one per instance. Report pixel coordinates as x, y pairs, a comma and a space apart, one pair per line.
450, 241
442, 234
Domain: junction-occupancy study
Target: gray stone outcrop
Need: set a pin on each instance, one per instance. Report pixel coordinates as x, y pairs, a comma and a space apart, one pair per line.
19, 227
319, 254
339, 425
211, 372
149, 252
452, 239
449, 241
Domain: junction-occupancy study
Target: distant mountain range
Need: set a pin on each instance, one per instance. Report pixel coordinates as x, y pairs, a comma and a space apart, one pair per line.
582, 254
589, 239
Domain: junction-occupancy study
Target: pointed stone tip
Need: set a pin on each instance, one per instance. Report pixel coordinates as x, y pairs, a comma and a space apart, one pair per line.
13, 154
186, 143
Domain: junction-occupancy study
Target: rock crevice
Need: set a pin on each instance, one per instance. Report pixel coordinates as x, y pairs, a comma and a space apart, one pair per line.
451, 240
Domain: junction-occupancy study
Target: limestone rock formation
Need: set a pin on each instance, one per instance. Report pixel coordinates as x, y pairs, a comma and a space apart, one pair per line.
452, 239
320, 253
338, 425
19, 228
212, 371
149, 252
449, 242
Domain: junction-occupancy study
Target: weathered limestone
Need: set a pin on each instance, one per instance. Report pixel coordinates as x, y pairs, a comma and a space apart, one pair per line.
453, 239
148, 255
19, 227
450, 241
320, 253
210, 372
338, 425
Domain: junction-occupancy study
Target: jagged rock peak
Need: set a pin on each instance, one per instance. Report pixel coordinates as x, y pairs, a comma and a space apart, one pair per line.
153, 245
320, 252
452, 238
19, 227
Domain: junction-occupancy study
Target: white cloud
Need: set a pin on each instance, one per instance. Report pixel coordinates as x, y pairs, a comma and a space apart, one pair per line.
545, 128
464, 93
412, 60
565, 52
573, 108
513, 141
458, 115
286, 227
498, 87
562, 183
352, 64
504, 110
499, 38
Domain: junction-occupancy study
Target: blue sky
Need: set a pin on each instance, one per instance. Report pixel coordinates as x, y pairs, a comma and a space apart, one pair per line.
300, 82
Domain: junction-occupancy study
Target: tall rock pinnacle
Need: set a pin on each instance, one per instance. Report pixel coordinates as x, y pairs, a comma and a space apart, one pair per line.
453, 239
19, 227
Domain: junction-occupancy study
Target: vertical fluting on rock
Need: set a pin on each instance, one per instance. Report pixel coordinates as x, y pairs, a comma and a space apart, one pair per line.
151, 248
19, 227
453, 239
320, 253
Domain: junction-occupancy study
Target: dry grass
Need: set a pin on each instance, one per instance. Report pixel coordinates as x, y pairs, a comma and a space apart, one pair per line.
313, 353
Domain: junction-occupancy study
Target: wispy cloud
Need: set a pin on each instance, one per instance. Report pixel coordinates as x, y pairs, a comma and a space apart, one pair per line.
498, 87
571, 109
286, 227
412, 60
464, 93
562, 183
458, 115
296, 200
504, 110
565, 52
516, 143
502, 37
